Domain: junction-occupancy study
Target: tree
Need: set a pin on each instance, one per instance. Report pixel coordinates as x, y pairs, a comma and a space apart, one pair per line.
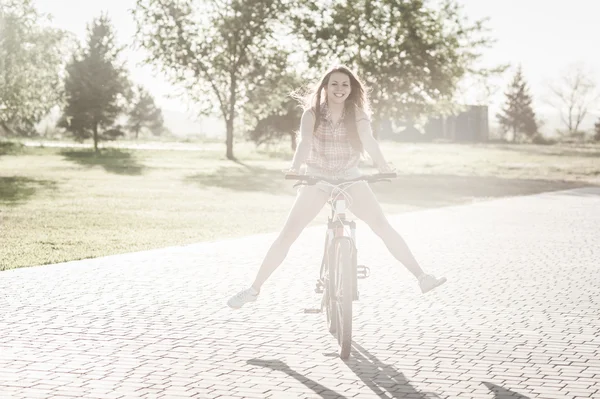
411, 53
144, 115
597, 131
518, 116
96, 86
280, 124
273, 110
31, 61
217, 51
573, 95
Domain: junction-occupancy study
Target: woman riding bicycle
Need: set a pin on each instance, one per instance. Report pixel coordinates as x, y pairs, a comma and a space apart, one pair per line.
333, 134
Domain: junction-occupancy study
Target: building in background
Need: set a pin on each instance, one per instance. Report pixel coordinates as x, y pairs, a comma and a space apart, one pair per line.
470, 125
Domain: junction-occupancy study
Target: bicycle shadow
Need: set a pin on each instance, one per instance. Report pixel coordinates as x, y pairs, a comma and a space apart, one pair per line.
278, 365
503, 393
383, 379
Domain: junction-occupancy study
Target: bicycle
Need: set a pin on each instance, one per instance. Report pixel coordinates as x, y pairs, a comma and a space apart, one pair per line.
339, 272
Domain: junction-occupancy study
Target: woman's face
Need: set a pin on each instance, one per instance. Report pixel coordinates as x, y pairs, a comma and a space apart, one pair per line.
338, 88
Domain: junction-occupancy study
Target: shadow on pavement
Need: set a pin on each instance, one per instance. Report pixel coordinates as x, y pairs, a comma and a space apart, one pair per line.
383, 379
582, 192
417, 190
442, 190
558, 151
278, 365
503, 393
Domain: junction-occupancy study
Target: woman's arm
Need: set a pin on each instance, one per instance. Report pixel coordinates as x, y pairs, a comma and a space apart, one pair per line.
371, 146
307, 125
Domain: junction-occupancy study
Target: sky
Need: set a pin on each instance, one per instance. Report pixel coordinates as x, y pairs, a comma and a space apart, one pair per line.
544, 37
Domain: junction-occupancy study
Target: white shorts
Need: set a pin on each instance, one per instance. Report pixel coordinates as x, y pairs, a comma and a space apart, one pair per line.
351, 173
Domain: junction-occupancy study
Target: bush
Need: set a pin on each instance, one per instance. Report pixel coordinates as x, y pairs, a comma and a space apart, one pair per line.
539, 138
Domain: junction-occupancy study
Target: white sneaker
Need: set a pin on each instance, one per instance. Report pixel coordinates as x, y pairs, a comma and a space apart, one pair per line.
242, 297
427, 282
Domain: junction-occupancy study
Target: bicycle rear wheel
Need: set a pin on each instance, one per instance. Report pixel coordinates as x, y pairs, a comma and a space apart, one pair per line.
344, 295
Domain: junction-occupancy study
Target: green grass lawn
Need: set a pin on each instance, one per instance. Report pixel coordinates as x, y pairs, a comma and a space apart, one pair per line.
60, 204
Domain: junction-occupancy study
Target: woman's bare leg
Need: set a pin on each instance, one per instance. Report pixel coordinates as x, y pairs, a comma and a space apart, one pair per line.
308, 204
365, 206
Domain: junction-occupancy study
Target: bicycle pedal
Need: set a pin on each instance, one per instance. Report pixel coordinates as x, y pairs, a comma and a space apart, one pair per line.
362, 271
319, 287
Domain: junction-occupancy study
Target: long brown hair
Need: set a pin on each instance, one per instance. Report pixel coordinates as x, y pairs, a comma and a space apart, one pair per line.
357, 100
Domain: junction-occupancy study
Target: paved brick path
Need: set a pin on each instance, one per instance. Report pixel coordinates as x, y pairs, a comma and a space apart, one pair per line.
519, 317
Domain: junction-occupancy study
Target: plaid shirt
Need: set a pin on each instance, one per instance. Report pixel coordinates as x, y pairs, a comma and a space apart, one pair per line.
331, 151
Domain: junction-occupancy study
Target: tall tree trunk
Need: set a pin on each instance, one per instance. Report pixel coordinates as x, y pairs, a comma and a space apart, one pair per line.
231, 117
229, 138
96, 138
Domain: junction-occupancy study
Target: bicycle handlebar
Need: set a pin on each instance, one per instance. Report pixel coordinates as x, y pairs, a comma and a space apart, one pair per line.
310, 180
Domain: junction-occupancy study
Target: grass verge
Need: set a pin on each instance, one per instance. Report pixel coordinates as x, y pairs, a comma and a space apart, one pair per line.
60, 204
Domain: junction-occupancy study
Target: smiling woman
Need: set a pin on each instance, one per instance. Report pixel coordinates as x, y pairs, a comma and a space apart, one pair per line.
334, 129
339, 87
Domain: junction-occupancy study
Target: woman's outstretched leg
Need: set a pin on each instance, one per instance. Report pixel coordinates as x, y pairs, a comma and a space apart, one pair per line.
308, 204
366, 207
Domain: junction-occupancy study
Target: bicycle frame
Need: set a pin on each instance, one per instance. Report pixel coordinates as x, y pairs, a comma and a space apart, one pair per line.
337, 221
336, 230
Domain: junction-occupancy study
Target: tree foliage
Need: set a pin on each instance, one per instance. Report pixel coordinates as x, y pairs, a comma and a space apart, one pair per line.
597, 131
517, 115
97, 86
31, 61
145, 115
272, 110
283, 122
217, 51
411, 53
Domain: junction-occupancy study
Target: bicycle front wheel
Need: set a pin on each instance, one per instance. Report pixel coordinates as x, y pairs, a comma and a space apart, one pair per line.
344, 291
329, 289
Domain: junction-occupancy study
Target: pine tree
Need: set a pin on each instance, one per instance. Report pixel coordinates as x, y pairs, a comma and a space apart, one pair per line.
145, 115
518, 116
96, 86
